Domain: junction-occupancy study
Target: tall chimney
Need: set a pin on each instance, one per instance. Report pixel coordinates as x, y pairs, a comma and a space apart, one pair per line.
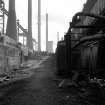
39, 25
57, 36
29, 36
11, 30
47, 32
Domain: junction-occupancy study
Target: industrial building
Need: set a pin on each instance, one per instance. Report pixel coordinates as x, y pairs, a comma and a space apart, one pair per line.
95, 7
50, 47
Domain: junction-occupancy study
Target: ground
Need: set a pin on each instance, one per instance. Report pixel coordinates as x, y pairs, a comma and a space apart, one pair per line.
40, 89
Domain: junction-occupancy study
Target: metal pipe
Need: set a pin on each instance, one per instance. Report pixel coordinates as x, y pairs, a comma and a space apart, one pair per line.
87, 14
88, 26
88, 38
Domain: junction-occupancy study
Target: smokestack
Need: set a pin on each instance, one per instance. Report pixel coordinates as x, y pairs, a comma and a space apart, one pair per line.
11, 30
29, 36
47, 32
57, 36
39, 25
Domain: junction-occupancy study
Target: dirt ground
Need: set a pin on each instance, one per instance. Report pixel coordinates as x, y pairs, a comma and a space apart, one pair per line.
41, 89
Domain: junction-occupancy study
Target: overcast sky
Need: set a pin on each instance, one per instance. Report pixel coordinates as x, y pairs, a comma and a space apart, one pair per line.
60, 14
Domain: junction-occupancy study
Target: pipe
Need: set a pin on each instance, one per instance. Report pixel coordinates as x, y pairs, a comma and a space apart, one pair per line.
87, 14
88, 26
88, 38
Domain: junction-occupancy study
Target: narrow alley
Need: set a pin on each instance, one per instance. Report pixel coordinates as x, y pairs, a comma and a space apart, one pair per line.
52, 52
40, 89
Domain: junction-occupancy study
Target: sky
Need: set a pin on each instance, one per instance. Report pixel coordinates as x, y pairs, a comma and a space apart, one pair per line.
60, 13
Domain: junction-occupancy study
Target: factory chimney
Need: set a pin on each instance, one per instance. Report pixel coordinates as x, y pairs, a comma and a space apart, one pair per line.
47, 32
29, 36
11, 30
39, 25
57, 36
